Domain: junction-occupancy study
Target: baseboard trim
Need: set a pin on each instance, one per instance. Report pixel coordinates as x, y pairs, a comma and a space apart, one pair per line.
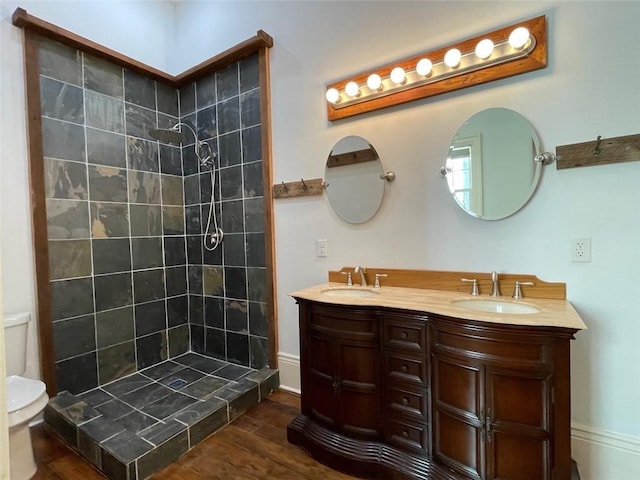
601, 454
289, 366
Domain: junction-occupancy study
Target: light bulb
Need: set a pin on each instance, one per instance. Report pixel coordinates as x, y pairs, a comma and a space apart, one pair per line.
484, 49
333, 96
519, 37
452, 57
424, 67
352, 89
374, 82
397, 76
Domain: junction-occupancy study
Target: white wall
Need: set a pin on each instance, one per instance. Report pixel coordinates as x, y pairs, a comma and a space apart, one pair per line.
588, 89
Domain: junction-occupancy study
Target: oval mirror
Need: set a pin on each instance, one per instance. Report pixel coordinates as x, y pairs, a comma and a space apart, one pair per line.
354, 179
491, 168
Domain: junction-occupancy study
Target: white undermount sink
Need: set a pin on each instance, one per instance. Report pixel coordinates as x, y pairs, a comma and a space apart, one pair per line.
350, 292
491, 305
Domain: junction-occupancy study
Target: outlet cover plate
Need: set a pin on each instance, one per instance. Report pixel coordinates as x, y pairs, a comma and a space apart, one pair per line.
581, 249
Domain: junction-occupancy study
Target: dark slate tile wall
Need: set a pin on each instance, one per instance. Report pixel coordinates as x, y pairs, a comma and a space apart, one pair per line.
131, 282
227, 287
115, 217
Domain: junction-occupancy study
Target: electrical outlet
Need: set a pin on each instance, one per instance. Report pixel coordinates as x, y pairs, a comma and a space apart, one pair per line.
321, 247
581, 250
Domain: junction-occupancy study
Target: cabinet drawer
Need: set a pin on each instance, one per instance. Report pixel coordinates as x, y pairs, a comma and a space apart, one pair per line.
407, 435
404, 333
407, 400
490, 347
354, 324
406, 368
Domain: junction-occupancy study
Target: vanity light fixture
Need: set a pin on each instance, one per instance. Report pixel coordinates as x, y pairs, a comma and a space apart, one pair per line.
512, 50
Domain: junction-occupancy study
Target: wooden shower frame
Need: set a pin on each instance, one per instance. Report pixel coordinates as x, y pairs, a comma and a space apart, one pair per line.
35, 28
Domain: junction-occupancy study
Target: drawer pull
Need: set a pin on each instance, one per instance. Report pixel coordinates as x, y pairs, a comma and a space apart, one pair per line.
404, 368
405, 434
404, 335
405, 401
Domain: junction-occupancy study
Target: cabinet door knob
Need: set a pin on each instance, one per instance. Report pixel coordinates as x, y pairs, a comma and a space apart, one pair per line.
405, 401
404, 368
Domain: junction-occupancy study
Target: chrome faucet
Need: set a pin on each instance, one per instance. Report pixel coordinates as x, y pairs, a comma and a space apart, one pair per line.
361, 271
495, 288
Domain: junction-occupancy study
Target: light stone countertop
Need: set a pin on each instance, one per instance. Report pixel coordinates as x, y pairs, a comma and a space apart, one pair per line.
553, 313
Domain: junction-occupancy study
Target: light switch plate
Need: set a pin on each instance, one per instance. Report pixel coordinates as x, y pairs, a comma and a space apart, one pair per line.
321, 247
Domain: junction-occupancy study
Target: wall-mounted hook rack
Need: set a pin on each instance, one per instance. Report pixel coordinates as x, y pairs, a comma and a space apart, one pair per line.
599, 152
301, 188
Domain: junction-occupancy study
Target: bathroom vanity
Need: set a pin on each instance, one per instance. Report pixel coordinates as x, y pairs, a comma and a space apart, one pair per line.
404, 382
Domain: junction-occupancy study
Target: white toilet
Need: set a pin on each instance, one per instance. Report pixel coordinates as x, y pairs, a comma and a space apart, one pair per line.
26, 397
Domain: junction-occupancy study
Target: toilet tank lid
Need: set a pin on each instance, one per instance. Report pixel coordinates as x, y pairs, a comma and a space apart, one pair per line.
15, 319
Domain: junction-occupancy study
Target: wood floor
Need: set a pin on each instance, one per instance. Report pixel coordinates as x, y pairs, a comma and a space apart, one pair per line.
253, 447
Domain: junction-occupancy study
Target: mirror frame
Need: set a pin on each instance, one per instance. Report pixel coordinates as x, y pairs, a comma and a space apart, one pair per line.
473, 143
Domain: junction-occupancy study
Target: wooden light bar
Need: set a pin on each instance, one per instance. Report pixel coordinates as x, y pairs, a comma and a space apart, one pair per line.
447, 70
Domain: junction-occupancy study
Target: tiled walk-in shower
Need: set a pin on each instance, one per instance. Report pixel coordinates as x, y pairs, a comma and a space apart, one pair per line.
157, 340
135, 426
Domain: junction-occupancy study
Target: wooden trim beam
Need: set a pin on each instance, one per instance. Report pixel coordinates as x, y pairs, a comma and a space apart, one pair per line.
22, 19
269, 225
258, 42
28, 22
39, 212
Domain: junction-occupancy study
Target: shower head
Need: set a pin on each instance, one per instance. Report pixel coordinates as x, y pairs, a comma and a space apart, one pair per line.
177, 135
168, 135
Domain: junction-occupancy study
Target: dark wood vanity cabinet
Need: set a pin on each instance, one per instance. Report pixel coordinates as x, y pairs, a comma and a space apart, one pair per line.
396, 394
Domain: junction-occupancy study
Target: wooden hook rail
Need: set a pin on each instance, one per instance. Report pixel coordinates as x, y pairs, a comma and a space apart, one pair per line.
599, 152
302, 188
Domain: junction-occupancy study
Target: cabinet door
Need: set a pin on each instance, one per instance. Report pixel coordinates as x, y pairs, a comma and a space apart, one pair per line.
341, 370
322, 371
360, 413
458, 414
518, 420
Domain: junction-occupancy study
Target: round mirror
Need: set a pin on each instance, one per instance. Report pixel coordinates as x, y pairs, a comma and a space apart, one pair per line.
354, 181
491, 169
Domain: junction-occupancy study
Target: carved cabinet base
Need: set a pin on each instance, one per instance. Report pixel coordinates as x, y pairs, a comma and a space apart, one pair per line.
361, 458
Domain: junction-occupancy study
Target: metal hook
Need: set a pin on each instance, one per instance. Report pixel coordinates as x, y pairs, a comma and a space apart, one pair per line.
304, 185
284, 185
596, 150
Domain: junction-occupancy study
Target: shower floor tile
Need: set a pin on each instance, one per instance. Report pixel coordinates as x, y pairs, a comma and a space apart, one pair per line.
136, 425
198, 362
